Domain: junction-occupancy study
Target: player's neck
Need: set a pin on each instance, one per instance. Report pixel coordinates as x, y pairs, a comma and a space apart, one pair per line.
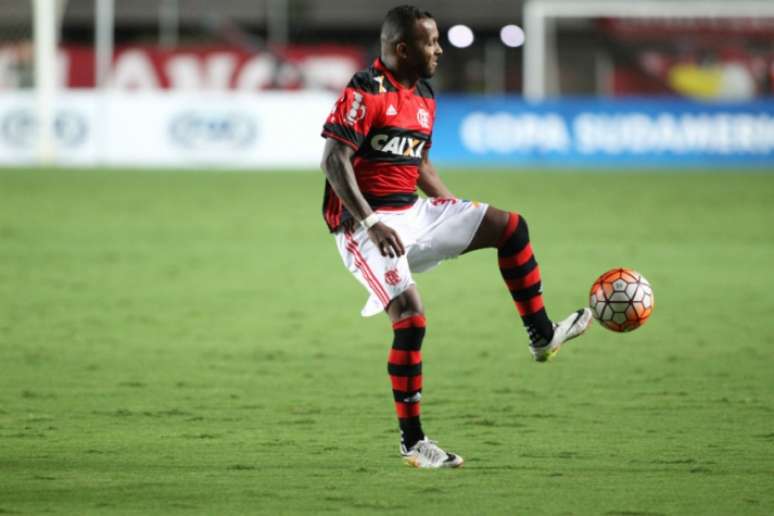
406, 78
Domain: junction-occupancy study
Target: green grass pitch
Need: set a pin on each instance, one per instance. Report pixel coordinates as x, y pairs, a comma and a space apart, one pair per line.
190, 343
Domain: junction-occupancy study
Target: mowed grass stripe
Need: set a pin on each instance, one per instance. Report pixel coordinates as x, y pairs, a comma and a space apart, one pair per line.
189, 342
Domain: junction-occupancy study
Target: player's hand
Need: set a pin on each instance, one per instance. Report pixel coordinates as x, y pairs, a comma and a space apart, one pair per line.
386, 240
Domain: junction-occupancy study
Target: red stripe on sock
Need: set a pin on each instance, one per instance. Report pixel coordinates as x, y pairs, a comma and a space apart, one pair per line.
529, 306
406, 383
527, 281
518, 259
400, 357
414, 321
407, 409
510, 229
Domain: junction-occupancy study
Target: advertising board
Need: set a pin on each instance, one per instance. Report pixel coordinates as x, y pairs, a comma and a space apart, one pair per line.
282, 129
174, 129
592, 132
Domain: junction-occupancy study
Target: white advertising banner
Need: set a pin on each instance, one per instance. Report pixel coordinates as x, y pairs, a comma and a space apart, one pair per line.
173, 129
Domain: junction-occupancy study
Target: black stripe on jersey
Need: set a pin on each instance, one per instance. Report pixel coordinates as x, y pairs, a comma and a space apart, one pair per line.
393, 145
344, 132
372, 81
337, 219
331, 207
375, 157
397, 200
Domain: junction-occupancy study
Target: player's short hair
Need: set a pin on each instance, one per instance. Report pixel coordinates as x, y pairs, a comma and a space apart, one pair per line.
399, 23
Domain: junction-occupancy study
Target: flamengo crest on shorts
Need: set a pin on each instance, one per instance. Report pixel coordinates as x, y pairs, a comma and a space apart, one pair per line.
432, 230
389, 126
391, 277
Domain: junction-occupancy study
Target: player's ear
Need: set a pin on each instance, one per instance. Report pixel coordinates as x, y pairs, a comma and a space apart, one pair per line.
401, 49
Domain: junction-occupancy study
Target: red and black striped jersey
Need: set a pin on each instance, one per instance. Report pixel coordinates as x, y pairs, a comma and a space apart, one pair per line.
389, 126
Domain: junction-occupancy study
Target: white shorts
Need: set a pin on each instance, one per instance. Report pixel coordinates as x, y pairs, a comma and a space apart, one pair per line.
431, 230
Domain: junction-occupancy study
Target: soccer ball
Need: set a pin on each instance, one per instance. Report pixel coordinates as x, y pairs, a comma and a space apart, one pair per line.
621, 299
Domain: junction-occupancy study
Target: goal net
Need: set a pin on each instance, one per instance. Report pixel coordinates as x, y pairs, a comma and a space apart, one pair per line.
694, 48
29, 32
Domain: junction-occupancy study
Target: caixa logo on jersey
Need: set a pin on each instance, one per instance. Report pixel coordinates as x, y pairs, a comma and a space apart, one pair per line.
19, 128
212, 130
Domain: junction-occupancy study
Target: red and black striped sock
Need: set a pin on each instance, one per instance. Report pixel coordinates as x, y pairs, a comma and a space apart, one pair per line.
405, 368
522, 276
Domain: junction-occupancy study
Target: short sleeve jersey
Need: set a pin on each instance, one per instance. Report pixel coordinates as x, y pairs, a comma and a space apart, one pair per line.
389, 126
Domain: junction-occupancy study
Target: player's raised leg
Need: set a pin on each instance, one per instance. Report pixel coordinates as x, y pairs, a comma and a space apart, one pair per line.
509, 234
405, 369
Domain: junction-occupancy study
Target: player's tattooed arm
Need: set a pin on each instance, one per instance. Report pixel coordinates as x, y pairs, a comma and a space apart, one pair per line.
337, 165
429, 180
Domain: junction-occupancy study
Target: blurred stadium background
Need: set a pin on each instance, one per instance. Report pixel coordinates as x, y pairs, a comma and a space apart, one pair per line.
195, 85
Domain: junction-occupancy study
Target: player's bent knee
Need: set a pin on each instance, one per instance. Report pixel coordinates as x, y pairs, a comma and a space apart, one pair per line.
515, 235
496, 218
491, 229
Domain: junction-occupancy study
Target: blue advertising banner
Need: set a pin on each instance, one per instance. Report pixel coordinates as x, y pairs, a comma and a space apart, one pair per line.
590, 132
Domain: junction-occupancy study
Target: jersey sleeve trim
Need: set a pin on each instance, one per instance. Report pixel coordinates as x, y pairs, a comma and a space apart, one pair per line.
343, 134
329, 134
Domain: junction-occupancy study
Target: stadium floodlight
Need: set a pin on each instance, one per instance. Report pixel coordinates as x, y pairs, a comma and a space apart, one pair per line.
512, 36
540, 16
460, 36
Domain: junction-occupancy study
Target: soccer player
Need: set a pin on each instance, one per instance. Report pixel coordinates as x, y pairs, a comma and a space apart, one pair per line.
378, 138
